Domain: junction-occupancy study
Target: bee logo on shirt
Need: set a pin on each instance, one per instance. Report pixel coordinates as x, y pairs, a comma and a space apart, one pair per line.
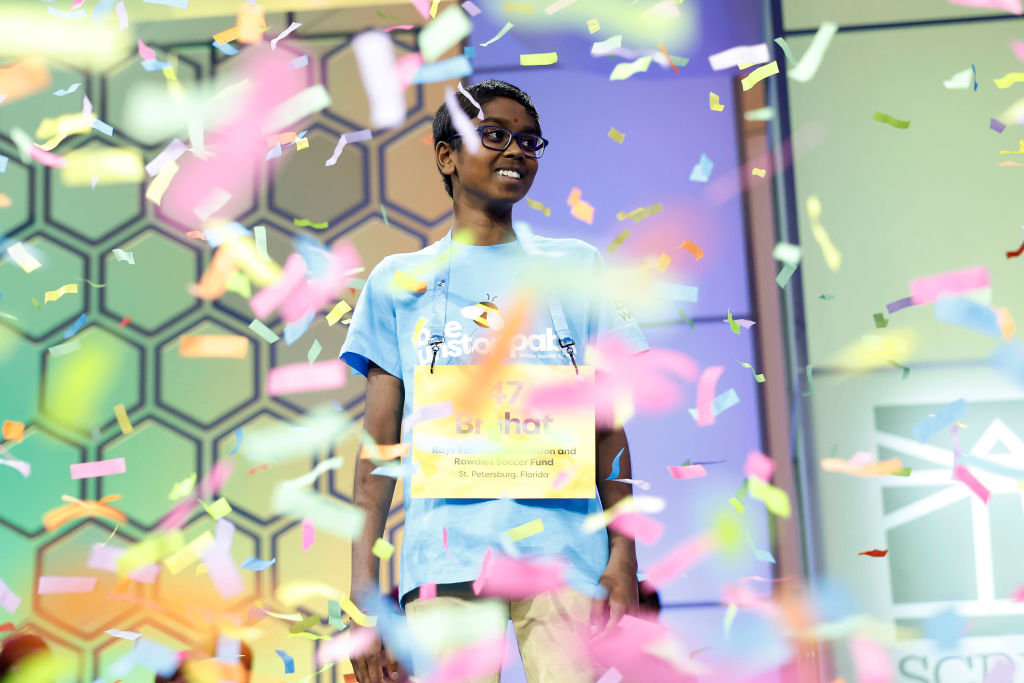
485, 314
623, 312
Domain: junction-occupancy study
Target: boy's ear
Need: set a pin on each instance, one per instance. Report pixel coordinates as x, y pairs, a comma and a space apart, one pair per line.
444, 155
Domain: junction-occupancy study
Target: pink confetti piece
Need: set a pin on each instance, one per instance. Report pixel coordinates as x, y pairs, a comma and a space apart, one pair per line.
871, 660
146, 52
962, 474
687, 471
925, 290
76, 4
100, 468
479, 660
8, 600
400, 27
612, 675
49, 585
220, 565
861, 458
637, 526
105, 557
345, 645
678, 560
517, 579
561, 479
1018, 48
428, 591
303, 377
423, 7
706, 394
759, 465
1011, 6
308, 533
1018, 595
47, 158
434, 411
406, 67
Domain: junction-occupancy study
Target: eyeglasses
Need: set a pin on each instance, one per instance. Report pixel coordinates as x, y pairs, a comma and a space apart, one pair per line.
497, 138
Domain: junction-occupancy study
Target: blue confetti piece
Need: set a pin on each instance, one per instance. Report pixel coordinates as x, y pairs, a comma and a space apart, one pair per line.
469, 52
228, 649
227, 48
974, 73
75, 327
155, 65
932, 425
102, 9
615, 466
722, 402
274, 153
180, 4
289, 663
155, 657
103, 127
257, 565
3, 163
299, 62
222, 233
67, 91
701, 173
294, 331
456, 67
963, 312
238, 441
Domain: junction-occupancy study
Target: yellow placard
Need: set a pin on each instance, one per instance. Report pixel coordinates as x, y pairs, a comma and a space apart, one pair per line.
494, 444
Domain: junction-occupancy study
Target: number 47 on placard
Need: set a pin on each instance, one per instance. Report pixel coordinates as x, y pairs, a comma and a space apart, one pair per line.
498, 392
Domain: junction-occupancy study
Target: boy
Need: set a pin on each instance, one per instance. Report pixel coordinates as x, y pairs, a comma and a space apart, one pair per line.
474, 277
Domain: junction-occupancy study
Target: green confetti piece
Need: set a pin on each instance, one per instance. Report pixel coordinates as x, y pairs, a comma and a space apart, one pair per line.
314, 351
263, 331
302, 222
894, 122
733, 325
827, 297
305, 624
784, 276
905, 472
810, 380
334, 615
906, 370
781, 42
730, 615
738, 506
686, 320
35, 302
384, 214
880, 320
260, 232
387, 16
757, 376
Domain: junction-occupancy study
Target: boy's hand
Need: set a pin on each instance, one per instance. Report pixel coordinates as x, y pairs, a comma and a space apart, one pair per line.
623, 598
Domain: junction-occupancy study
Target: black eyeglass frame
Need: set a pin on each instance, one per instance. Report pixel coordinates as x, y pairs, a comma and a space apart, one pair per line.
512, 136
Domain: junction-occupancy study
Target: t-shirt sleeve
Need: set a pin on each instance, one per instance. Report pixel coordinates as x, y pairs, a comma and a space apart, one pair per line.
609, 316
373, 332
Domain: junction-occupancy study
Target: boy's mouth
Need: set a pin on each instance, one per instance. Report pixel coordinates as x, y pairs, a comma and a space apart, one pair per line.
509, 173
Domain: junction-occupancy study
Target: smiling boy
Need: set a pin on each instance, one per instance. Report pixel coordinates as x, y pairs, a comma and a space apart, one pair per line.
404, 337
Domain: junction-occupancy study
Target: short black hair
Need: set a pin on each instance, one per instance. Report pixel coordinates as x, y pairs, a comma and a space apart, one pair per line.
482, 92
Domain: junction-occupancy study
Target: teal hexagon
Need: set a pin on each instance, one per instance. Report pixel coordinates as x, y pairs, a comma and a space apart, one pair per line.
92, 212
156, 457
60, 266
153, 291
81, 388
21, 363
17, 186
130, 90
28, 112
205, 390
50, 478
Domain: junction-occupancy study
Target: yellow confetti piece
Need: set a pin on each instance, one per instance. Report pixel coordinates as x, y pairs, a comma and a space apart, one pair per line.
56, 294
624, 70
183, 487
663, 262
213, 346
419, 328
759, 74
774, 498
301, 144
340, 309
525, 530
1009, 79
758, 172
150, 550
639, 214
538, 59
537, 205
110, 166
20, 254
157, 188
433, 8
189, 554
616, 135
716, 104
358, 617
617, 242
403, 281
218, 508
383, 549
518, 8
833, 259
593, 25
122, 419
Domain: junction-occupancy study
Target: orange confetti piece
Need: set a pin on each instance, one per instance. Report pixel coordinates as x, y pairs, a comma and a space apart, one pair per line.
23, 78
281, 139
257, 469
581, 209
668, 57
75, 509
250, 23
214, 346
5, 201
383, 451
403, 281
125, 321
13, 431
227, 35
689, 246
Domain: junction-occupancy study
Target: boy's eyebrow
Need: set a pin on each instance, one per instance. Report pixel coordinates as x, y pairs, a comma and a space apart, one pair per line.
504, 124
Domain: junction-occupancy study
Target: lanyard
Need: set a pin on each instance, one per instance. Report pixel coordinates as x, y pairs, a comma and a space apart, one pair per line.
440, 285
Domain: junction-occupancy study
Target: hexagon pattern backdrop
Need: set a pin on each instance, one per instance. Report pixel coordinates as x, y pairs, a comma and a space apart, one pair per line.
186, 413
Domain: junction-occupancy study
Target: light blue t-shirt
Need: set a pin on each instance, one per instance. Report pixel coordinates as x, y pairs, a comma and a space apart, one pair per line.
381, 331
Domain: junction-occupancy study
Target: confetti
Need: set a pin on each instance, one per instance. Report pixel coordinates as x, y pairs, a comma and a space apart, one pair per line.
638, 215
758, 377
593, 25
257, 565
77, 509
759, 74
806, 69
518, 8
906, 370
526, 530
677, 561
455, 67
687, 471
616, 135
615, 466
741, 54
894, 122
308, 534
928, 289
606, 46
637, 526
581, 209
122, 419
705, 394
49, 585
447, 30
285, 33
617, 242
624, 70
213, 346
462, 123
701, 172
833, 259
302, 222
100, 468
8, 600
925, 429
875, 553
383, 549
538, 59
774, 498
504, 29
557, 6
715, 103
23, 258
13, 430
122, 255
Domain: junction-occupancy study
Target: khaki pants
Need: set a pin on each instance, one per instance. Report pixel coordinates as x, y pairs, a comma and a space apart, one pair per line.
550, 629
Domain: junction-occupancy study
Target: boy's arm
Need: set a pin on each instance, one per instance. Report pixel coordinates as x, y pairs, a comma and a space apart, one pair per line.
619, 577
385, 396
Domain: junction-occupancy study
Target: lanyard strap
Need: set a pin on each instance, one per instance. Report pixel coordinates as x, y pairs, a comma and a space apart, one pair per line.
440, 285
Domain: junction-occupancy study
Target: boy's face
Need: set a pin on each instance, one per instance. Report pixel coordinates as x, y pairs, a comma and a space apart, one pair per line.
475, 177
